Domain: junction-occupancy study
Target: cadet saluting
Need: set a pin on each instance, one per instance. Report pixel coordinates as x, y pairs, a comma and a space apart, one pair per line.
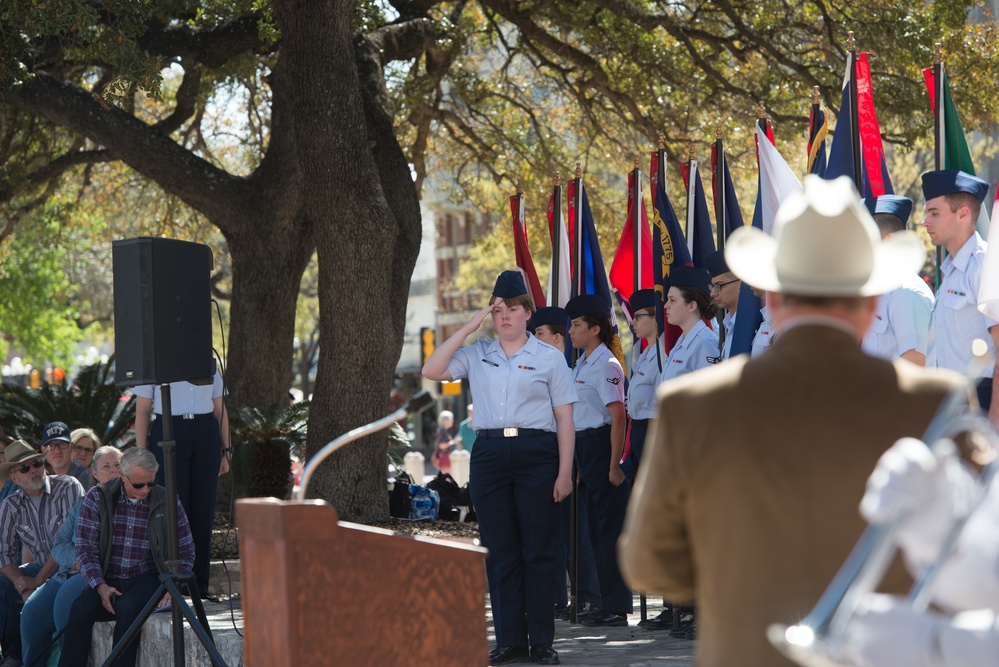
521, 464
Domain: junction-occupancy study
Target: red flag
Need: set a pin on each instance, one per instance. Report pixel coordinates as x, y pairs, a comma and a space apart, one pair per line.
622, 270
870, 130
523, 251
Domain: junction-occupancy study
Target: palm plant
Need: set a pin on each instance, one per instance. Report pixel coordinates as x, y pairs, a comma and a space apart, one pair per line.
91, 400
264, 439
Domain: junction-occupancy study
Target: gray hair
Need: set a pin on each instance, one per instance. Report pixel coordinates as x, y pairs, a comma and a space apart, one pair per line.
137, 457
102, 452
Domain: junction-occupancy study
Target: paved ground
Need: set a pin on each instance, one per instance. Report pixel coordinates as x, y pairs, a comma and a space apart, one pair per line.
580, 646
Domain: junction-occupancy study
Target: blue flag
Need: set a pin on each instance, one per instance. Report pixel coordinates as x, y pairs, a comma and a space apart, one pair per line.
669, 249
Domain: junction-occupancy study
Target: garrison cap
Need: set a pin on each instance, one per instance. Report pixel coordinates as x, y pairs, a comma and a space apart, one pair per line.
951, 181
688, 276
643, 298
510, 284
900, 207
585, 304
548, 315
715, 263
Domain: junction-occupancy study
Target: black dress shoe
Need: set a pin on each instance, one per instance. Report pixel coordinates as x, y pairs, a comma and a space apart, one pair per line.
664, 621
607, 620
504, 655
544, 654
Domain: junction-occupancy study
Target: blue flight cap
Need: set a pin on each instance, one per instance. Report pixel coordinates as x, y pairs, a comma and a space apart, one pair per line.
951, 181
643, 298
548, 315
585, 304
715, 263
900, 207
510, 284
688, 276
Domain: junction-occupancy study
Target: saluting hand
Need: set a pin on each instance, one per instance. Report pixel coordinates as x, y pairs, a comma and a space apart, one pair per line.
477, 318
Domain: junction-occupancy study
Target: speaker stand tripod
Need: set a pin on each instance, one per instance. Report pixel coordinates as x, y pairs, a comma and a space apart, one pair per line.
170, 581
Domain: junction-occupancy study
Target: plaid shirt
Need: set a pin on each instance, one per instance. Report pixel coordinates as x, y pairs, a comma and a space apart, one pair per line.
21, 525
131, 555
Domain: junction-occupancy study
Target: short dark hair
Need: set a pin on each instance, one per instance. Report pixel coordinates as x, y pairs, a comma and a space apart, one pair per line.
888, 223
705, 306
555, 328
602, 321
958, 199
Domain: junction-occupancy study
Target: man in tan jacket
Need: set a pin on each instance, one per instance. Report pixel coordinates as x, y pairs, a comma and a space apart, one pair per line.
747, 503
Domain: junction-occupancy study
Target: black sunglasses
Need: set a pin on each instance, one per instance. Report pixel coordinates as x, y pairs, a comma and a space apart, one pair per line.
37, 463
140, 485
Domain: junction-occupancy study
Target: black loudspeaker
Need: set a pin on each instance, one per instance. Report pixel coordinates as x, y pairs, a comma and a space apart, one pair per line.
162, 311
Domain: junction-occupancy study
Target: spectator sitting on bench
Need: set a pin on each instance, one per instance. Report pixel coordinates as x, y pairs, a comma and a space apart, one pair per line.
125, 575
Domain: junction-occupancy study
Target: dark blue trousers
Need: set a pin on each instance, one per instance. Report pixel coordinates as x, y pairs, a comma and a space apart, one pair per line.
587, 586
199, 453
639, 429
88, 609
606, 505
511, 482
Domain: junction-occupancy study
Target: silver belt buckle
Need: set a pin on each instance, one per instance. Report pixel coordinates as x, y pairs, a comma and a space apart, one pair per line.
510, 433
188, 416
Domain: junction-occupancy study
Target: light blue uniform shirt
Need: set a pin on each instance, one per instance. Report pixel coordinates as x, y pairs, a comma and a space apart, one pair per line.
185, 398
691, 352
764, 335
729, 323
599, 382
519, 392
642, 386
956, 318
901, 321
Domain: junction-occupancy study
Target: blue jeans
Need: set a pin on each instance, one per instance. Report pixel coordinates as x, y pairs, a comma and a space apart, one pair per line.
136, 592
65, 599
10, 611
37, 625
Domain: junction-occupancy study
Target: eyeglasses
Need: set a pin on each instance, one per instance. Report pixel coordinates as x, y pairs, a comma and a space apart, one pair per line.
716, 287
140, 485
37, 463
57, 444
80, 449
637, 315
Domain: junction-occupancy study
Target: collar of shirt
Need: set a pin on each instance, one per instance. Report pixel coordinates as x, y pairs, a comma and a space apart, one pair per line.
598, 354
729, 319
684, 341
963, 256
530, 347
820, 320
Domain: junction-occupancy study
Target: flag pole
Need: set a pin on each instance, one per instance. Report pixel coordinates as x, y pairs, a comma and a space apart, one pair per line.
579, 277
691, 202
660, 178
579, 285
858, 174
556, 239
939, 136
812, 130
636, 197
718, 181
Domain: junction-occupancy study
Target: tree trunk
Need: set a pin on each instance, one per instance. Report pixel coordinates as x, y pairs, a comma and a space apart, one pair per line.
357, 186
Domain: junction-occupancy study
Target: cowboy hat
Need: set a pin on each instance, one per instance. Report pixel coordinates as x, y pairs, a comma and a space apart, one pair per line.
17, 453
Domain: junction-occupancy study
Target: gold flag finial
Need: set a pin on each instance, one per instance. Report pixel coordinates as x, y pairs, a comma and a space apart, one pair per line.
579, 170
520, 187
762, 110
557, 181
937, 53
691, 151
851, 43
816, 97
662, 141
636, 160
718, 131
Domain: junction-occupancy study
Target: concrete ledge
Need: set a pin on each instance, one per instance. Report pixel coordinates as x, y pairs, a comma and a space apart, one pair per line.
156, 648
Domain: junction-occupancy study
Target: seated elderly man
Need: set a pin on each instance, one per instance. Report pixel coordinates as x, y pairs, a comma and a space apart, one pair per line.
121, 546
30, 518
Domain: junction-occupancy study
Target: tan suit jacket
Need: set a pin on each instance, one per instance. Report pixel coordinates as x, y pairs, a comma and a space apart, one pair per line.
746, 499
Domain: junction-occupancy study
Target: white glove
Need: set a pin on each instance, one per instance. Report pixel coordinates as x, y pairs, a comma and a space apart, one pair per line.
931, 486
886, 633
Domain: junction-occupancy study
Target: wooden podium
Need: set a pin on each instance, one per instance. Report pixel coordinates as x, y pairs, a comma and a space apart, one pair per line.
318, 591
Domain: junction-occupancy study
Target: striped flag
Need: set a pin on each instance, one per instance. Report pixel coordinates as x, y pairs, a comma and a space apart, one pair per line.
622, 271
700, 241
857, 129
668, 250
560, 276
523, 251
589, 275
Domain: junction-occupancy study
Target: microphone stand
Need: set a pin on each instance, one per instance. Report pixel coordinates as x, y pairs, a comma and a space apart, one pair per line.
170, 580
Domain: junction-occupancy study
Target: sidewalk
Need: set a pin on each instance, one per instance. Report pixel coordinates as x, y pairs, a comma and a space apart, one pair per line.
581, 646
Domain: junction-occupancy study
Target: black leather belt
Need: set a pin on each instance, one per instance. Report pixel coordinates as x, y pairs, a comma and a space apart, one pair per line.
508, 432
